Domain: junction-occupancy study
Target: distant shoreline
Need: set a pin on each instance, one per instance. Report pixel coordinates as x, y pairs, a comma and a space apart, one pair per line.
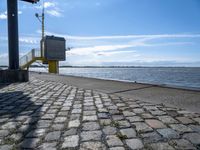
34, 66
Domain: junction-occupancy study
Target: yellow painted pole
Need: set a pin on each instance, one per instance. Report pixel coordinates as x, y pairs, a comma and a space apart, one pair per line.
53, 66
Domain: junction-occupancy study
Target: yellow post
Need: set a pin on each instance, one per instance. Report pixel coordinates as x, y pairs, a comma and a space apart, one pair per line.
53, 66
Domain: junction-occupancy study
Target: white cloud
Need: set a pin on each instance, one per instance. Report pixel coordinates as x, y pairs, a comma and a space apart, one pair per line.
54, 13
3, 15
4, 55
25, 39
98, 49
110, 53
150, 36
51, 8
19, 12
49, 4
139, 39
29, 40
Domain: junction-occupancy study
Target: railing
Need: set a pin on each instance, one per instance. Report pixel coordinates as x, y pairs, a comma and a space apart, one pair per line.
32, 55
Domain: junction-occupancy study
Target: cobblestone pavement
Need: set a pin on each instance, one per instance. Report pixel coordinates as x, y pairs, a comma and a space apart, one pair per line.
50, 115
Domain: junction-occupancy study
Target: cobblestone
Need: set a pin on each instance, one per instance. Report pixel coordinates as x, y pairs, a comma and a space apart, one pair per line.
53, 136
134, 143
151, 137
92, 146
49, 146
4, 133
155, 123
192, 137
129, 132
182, 144
109, 130
160, 146
168, 133
185, 120
6, 147
113, 140
167, 119
74, 123
195, 128
180, 128
52, 115
90, 126
90, 118
142, 127
70, 141
117, 148
90, 135
30, 143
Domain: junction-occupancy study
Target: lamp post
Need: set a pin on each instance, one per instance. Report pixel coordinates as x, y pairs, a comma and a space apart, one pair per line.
42, 22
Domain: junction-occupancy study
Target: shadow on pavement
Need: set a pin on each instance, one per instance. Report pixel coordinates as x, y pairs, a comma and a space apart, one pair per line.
19, 116
2, 85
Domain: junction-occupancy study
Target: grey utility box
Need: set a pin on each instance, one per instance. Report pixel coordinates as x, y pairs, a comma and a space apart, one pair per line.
54, 48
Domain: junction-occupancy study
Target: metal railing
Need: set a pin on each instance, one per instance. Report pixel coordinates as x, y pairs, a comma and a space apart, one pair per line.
29, 57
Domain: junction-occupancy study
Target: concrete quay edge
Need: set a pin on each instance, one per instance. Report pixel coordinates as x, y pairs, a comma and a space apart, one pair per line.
183, 98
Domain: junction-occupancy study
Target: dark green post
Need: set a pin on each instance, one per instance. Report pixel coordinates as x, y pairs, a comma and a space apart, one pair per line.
13, 41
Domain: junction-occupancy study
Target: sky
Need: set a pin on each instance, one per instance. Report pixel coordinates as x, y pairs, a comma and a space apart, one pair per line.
112, 32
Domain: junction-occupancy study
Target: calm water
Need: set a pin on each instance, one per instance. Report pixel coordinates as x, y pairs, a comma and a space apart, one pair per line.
183, 77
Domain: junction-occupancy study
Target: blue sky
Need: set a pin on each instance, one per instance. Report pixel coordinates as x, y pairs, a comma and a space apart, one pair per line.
113, 32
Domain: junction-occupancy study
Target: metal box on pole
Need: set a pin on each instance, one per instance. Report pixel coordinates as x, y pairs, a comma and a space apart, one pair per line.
54, 51
54, 48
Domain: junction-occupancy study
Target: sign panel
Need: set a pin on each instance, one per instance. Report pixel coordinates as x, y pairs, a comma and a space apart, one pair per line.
54, 48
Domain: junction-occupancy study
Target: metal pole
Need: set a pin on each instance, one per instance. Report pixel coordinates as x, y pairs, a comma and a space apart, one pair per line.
42, 49
43, 22
13, 34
